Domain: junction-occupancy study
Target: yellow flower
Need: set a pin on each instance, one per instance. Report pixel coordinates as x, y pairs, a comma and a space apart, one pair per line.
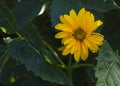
77, 33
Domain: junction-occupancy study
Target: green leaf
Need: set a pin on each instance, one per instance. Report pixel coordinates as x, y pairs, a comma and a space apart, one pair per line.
2, 49
100, 5
4, 56
60, 7
3, 59
26, 10
3, 29
37, 52
21, 51
105, 47
108, 67
118, 2
9, 16
32, 81
34, 39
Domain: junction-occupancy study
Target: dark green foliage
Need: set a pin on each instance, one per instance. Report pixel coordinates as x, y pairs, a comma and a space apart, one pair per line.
13, 70
26, 10
100, 5
60, 7
9, 17
28, 49
34, 62
31, 52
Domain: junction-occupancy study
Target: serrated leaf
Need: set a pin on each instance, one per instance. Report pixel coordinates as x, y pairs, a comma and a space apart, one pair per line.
34, 62
105, 47
35, 39
26, 10
35, 42
9, 16
60, 7
100, 5
107, 68
33, 53
32, 81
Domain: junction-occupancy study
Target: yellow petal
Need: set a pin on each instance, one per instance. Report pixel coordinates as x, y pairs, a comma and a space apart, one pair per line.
65, 38
77, 54
93, 48
61, 48
71, 21
81, 18
93, 41
89, 19
65, 51
64, 21
61, 35
74, 48
94, 26
86, 21
64, 27
72, 43
73, 13
84, 51
81, 12
68, 40
85, 18
96, 39
74, 17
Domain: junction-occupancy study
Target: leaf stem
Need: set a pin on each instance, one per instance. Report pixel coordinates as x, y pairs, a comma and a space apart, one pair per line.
5, 58
63, 65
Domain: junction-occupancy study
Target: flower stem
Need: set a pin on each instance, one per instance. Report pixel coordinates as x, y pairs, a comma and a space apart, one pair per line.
82, 65
63, 65
70, 68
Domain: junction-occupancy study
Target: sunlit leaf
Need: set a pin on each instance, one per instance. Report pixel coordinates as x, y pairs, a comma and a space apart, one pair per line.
108, 67
3, 29
12, 79
117, 2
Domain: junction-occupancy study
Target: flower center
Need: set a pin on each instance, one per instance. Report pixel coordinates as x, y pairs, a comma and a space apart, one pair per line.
79, 34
